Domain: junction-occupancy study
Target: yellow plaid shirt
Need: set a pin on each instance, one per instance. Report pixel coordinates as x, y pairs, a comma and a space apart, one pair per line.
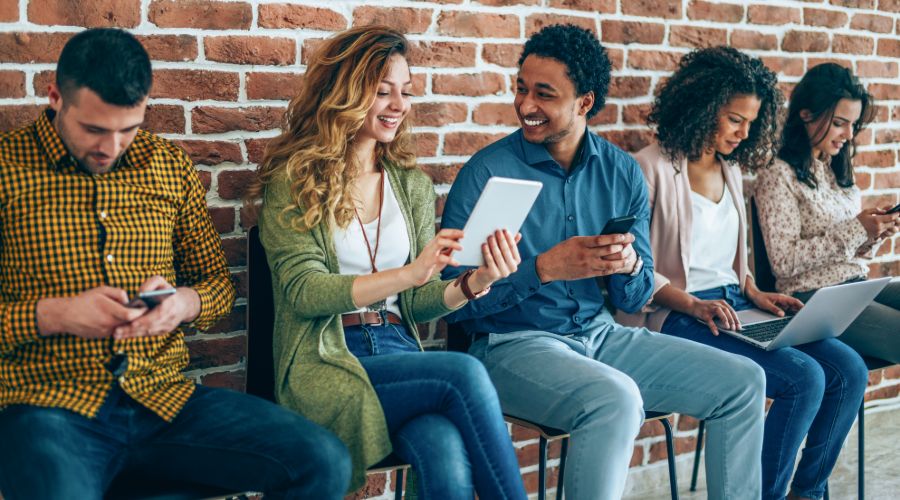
64, 231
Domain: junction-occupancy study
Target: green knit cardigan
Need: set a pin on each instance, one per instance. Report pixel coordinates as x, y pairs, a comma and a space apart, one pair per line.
315, 374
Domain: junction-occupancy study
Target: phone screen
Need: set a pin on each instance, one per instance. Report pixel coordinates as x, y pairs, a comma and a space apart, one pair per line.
619, 225
151, 299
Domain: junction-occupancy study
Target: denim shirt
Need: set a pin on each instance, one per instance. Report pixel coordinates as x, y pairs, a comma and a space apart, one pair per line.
605, 182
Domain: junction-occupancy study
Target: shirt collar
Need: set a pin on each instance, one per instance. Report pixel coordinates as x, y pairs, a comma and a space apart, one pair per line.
137, 156
535, 154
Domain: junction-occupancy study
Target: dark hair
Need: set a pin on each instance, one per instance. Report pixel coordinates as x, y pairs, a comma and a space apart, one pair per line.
819, 91
686, 111
586, 61
110, 62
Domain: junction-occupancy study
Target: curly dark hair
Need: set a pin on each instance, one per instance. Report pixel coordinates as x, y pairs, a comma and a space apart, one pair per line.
685, 113
819, 91
587, 64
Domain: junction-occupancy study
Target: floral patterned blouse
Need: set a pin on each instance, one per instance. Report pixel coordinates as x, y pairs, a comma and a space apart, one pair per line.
812, 235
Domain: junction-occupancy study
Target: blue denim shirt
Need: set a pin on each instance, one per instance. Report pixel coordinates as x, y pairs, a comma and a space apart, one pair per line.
605, 182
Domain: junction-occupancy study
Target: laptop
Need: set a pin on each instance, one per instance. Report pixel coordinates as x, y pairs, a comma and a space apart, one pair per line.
827, 314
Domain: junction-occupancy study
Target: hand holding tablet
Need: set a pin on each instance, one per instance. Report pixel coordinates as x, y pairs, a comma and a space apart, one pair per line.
504, 204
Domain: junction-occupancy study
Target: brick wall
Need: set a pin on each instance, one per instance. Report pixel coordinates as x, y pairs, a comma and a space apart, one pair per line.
225, 69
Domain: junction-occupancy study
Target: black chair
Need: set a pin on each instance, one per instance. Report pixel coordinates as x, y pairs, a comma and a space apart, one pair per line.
459, 341
260, 361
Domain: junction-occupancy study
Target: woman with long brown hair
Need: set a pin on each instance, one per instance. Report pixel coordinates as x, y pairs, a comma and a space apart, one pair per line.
348, 226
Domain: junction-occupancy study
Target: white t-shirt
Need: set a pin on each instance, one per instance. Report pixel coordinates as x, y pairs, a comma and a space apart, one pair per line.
393, 251
714, 240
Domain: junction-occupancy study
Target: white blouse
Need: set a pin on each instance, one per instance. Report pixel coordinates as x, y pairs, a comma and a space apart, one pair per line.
393, 250
714, 241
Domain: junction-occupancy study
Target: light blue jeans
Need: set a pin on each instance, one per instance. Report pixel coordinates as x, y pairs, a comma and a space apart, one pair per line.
596, 385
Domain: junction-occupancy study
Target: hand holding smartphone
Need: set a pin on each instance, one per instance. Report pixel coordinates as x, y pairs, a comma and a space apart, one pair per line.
151, 299
894, 210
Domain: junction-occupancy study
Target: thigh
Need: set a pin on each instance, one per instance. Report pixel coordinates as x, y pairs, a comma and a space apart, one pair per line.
839, 363
235, 440
544, 379
890, 296
788, 370
679, 375
417, 383
875, 332
54, 453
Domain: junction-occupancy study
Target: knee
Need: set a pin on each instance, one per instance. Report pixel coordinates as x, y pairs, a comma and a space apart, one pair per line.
469, 375
856, 375
750, 379
809, 385
615, 404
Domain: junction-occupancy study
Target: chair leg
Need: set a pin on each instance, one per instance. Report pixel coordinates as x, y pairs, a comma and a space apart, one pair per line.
697, 456
861, 437
398, 489
564, 449
542, 469
670, 450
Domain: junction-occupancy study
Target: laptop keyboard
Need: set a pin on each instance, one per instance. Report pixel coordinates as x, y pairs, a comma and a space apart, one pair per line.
764, 332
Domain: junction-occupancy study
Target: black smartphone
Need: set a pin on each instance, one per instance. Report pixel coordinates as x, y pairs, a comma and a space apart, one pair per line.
894, 210
152, 298
619, 225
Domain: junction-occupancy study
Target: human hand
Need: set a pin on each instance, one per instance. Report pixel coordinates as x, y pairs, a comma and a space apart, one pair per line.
587, 257
92, 314
879, 224
181, 307
775, 303
501, 258
708, 310
436, 255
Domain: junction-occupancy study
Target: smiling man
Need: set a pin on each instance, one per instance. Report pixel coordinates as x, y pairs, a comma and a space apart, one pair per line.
550, 346
94, 210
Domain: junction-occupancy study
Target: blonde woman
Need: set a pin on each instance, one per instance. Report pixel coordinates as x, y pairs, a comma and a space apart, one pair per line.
348, 226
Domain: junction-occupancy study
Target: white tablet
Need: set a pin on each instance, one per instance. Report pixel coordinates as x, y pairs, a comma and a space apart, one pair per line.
504, 204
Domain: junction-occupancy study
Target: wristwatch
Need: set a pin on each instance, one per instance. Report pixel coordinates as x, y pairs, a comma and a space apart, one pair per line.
638, 266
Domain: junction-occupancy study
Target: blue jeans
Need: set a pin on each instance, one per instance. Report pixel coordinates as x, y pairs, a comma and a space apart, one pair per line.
442, 414
816, 390
221, 438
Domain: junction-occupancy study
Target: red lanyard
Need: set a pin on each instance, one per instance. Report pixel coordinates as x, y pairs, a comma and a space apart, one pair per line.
373, 254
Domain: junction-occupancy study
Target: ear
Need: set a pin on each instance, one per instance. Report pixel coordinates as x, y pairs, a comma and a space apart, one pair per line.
585, 103
806, 115
56, 99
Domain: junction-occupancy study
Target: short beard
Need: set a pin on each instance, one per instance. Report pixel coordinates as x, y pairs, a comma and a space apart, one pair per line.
559, 136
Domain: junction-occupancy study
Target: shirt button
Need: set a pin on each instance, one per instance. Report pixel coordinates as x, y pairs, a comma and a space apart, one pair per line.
102, 214
570, 218
110, 258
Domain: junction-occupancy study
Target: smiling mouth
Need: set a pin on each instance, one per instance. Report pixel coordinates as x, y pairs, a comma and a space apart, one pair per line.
389, 120
533, 123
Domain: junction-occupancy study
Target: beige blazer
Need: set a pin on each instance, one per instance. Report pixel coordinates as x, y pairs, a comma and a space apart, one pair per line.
670, 228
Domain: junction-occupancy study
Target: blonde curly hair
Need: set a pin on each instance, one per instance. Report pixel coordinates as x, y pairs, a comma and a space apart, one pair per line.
321, 123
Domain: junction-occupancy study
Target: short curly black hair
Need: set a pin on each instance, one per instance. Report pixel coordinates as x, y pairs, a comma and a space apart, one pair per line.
587, 64
685, 113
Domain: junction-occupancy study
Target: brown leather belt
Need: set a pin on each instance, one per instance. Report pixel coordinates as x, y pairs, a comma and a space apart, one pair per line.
368, 318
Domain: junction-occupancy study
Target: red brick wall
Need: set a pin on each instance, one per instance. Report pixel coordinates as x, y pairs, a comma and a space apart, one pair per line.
224, 72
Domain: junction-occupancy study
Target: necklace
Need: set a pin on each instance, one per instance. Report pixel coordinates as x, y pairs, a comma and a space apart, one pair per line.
381, 304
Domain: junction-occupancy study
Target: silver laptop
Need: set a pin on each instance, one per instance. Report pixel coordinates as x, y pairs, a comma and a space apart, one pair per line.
827, 314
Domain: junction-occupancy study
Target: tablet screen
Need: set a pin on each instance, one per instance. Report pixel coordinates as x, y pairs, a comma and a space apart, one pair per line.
504, 204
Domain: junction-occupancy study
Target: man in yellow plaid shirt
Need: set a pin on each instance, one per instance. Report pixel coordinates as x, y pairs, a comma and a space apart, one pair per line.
94, 210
